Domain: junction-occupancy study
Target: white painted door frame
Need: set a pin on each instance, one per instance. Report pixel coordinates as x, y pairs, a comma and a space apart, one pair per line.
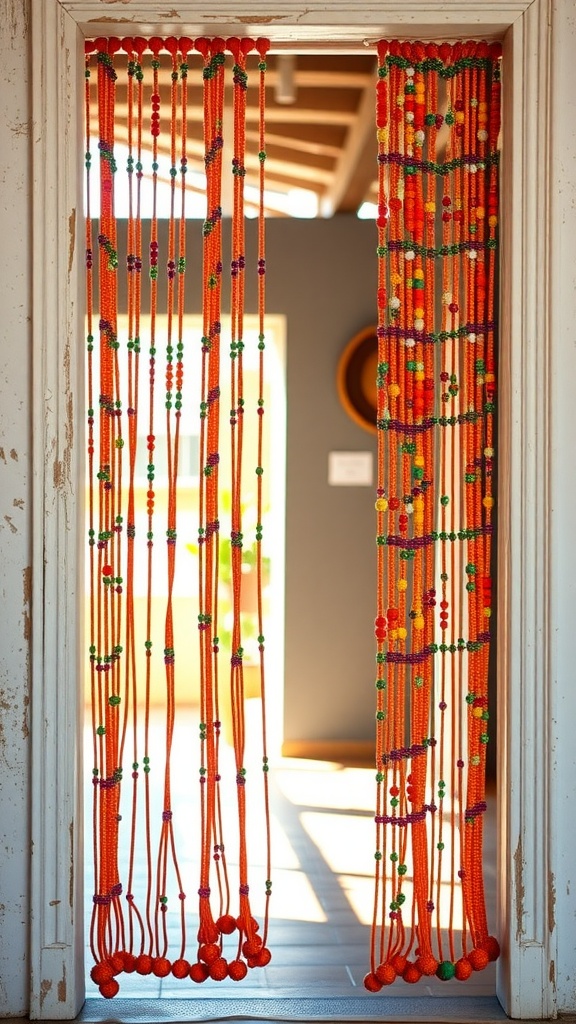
531, 690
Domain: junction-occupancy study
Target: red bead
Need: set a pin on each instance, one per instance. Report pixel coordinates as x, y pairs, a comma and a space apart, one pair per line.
116, 962
372, 983
427, 965
252, 946
101, 972
398, 962
161, 967
263, 957
478, 959
386, 974
209, 952
237, 970
462, 969
181, 968
129, 962
108, 989
144, 964
219, 969
199, 972
492, 948
226, 924
412, 974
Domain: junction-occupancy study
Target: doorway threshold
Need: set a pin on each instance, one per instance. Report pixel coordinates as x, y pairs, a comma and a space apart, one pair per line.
462, 1009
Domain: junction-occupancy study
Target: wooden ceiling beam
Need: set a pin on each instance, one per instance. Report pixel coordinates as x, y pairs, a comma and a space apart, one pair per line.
356, 166
301, 145
274, 115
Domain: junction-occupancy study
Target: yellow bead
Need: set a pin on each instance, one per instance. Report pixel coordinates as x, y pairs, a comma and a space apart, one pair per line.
430, 207
419, 622
419, 273
418, 500
395, 279
487, 613
419, 87
477, 712
402, 584
492, 221
419, 375
382, 134
480, 213
459, 117
393, 390
402, 633
489, 377
418, 312
393, 634
488, 501
418, 461
381, 504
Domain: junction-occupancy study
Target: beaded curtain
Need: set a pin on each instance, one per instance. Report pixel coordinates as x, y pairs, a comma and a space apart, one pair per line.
437, 128
437, 125
134, 927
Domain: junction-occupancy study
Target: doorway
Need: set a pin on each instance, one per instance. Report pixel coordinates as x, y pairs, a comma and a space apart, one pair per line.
531, 945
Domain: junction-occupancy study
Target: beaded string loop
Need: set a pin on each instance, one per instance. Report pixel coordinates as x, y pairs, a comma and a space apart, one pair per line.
435, 448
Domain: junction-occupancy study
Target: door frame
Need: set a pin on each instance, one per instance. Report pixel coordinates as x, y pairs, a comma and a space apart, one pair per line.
529, 732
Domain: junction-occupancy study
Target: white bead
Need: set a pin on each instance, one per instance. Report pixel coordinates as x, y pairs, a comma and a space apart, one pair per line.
394, 302
419, 137
409, 342
482, 134
418, 325
472, 338
409, 116
409, 254
472, 255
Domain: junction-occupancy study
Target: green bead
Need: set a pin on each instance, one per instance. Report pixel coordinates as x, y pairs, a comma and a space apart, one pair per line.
445, 970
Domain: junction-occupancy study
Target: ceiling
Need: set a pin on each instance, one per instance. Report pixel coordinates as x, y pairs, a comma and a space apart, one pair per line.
320, 134
323, 140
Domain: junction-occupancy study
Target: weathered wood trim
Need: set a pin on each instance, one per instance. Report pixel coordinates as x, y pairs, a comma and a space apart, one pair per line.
57, 912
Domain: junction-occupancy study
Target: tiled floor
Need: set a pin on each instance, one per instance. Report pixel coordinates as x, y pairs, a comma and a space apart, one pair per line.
320, 910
